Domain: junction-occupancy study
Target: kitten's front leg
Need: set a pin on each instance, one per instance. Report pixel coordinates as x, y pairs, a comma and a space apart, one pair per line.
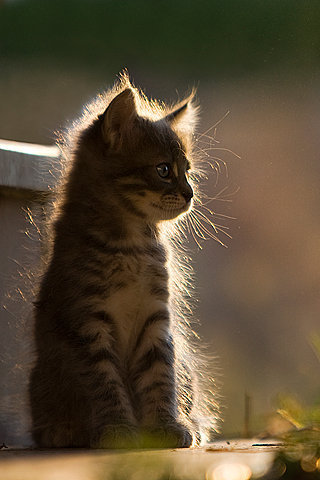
112, 423
155, 385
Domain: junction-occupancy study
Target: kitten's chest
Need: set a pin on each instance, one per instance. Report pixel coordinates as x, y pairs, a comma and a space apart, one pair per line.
136, 280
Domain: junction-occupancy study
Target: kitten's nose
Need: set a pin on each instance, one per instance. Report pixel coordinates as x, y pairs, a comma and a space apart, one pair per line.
187, 193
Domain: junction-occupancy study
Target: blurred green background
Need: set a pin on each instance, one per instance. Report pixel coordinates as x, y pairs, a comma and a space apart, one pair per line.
258, 299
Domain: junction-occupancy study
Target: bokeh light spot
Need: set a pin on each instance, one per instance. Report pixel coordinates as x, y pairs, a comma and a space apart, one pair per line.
309, 464
231, 471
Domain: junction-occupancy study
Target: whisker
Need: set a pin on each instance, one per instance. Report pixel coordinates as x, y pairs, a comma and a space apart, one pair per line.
203, 151
211, 138
215, 125
202, 228
215, 226
217, 214
221, 229
217, 164
191, 228
206, 219
224, 198
211, 199
223, 149
196, 226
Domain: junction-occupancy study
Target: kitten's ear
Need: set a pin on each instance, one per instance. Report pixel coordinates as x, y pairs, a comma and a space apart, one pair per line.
184, 117
121, 111
177, 113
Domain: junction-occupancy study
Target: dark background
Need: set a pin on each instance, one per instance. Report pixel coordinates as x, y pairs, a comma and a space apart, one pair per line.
258, 299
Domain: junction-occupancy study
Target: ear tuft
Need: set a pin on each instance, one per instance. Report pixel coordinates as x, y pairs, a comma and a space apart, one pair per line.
178, 112
121, 111
185, 115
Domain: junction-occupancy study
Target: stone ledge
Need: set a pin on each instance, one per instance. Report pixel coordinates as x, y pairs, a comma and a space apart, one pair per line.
28, 166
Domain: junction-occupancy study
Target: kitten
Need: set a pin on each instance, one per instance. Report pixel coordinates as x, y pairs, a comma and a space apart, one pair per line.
114, 365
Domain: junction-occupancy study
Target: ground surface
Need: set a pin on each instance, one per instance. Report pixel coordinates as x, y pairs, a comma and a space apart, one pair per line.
234, 460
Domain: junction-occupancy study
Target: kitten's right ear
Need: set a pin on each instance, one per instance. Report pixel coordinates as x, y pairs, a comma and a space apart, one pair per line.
121, 111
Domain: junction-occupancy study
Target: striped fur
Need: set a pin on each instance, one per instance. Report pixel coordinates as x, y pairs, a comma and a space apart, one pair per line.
114, 365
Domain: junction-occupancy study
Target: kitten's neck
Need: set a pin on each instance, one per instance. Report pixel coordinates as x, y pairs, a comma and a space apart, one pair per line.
134, 235
120, 229
110, 221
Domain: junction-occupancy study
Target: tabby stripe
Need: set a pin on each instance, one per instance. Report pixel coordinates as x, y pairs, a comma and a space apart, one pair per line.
95, 242
67, 332
131, 208
103, 317
163, 413
94, 270
75, 339
154, 251
155, 354
150, 232
82, 340
129, 173
162, 400
100, 246
158, 253
118, 286
107, 417
99, 382
102, 355
134, 187
159, 291
93, 290
111, 405
109, 391
157, 272
156, 386
161, 315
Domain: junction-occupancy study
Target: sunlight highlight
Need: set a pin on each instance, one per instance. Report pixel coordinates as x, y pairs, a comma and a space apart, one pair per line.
230, 471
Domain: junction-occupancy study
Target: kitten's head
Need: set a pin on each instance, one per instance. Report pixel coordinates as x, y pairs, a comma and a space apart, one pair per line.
149, 148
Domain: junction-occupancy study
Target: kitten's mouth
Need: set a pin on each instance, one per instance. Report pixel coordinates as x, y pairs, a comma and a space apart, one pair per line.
171, 209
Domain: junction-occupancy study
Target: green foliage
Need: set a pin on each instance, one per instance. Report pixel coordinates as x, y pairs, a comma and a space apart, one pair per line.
300, 416
304, 419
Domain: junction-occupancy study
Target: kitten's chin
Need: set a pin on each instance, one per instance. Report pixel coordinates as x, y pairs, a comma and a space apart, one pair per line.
157, 210
162, 213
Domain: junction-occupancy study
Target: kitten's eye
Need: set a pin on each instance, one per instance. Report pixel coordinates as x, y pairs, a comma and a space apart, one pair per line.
163, 170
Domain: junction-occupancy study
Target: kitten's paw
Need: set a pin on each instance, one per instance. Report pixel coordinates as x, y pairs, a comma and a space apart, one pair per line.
172, 435
118, 436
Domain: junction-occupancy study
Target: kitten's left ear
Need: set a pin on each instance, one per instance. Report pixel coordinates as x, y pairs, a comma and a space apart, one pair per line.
185, 116
176, 114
